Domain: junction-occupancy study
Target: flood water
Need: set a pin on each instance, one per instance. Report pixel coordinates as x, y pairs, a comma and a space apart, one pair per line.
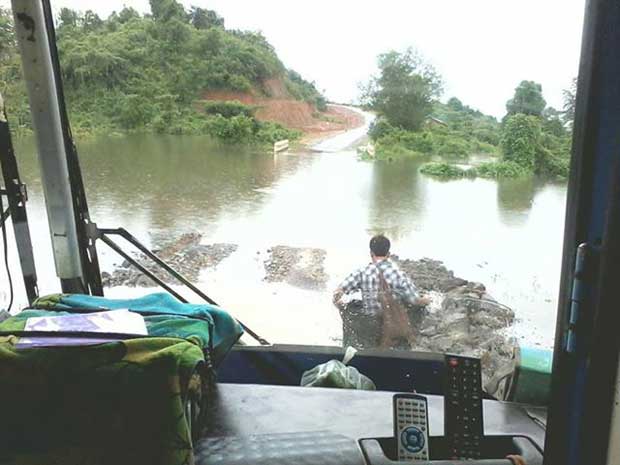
505, 234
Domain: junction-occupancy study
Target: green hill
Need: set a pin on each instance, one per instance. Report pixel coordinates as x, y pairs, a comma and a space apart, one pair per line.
133, 72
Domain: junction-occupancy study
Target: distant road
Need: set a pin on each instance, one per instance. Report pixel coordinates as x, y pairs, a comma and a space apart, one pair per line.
346, 139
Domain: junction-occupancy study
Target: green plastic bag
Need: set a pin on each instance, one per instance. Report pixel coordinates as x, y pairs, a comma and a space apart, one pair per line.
337, 374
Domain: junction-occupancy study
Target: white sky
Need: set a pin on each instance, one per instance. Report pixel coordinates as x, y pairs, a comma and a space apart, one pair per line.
483, 48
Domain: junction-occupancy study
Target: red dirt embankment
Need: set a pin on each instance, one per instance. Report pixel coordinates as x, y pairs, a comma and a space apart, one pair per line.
277, 105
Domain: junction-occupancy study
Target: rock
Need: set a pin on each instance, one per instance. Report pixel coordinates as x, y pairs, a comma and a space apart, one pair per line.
468, 322
186, 255
428, 274
300, 267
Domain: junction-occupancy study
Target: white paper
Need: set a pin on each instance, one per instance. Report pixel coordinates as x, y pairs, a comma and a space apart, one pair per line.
114, 321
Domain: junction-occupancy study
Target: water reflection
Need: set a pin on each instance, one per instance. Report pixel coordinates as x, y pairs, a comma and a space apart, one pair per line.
158, 186
184, 183
515, 198
397, 199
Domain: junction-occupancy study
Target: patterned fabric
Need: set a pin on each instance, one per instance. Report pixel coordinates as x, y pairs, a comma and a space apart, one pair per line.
121, 403
367, 281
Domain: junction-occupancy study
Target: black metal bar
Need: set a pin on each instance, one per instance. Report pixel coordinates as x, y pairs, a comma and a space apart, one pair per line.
131, 239
103, 232
142, 269
16, 195
4, 216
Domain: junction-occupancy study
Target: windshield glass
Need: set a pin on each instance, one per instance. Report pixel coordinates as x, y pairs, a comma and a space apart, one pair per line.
258, 147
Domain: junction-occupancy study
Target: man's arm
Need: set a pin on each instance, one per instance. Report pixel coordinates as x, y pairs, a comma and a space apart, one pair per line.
350, 284
410, 293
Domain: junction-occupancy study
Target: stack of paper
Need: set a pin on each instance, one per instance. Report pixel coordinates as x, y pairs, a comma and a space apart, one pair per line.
113, 321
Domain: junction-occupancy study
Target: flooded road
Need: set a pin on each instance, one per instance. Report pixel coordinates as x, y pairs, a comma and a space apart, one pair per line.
506, 234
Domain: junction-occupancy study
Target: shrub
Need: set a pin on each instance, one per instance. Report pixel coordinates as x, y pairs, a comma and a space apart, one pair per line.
500, 169
272, 132
521, 140
135, 111
239, 128
446, 170
483, 147
379, 128
229, 109
453, 146
551, 164
390, 149
421, 142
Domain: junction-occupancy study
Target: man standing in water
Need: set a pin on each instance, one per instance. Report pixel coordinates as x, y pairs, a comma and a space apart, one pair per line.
362, 322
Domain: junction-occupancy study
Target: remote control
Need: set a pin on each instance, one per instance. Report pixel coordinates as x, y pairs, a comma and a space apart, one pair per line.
463, 407
411, 427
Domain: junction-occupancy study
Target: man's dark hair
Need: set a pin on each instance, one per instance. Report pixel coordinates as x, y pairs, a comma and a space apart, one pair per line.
380, 245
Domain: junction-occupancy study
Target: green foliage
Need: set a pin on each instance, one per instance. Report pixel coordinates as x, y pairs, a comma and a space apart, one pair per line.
165, 10
131, 72
243, 129
553, 164
404, 90
455, 104
202, 18
446, 170
299, 88
455, 147
552, 123
7, 41
270, 132
521, 139
467, 131
135, 111
570, 96
239, 128
229, 109
528, 99
380, 128
537, 145
501, 169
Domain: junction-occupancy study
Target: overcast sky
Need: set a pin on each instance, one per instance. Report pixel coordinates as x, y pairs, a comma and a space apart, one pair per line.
482, 48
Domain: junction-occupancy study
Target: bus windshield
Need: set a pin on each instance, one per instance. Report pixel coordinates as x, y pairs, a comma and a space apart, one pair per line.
385, 175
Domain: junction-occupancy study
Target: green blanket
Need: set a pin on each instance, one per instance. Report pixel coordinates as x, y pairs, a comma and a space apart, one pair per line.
114, 403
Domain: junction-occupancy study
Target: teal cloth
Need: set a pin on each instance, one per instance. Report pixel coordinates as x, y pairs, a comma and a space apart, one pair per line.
220, 332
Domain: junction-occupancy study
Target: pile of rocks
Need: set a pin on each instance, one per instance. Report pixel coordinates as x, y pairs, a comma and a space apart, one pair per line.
186, 255
300, 267
469, 322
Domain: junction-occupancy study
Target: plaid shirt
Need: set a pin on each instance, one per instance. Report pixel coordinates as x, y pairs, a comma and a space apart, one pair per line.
367, 281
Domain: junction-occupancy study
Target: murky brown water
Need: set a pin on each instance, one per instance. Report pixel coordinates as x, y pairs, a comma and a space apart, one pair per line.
506, 234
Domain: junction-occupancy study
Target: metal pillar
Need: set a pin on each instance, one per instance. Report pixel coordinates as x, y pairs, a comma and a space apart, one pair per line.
74, 251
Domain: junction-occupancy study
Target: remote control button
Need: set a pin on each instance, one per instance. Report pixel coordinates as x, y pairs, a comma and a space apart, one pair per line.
412, 438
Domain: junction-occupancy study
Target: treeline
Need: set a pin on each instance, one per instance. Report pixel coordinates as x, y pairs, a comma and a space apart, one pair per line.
531, 139
133, 72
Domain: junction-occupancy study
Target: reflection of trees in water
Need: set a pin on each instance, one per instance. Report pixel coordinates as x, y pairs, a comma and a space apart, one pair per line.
171, 178
515, 198
397, 199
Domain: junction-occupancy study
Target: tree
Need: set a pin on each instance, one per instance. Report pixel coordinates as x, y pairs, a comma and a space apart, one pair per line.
521, 140
570, 96
127, 14
404, 90
202, 18
455, 104
68, 18
91, 21
7, 37
528, 99
165, 10
552, 123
